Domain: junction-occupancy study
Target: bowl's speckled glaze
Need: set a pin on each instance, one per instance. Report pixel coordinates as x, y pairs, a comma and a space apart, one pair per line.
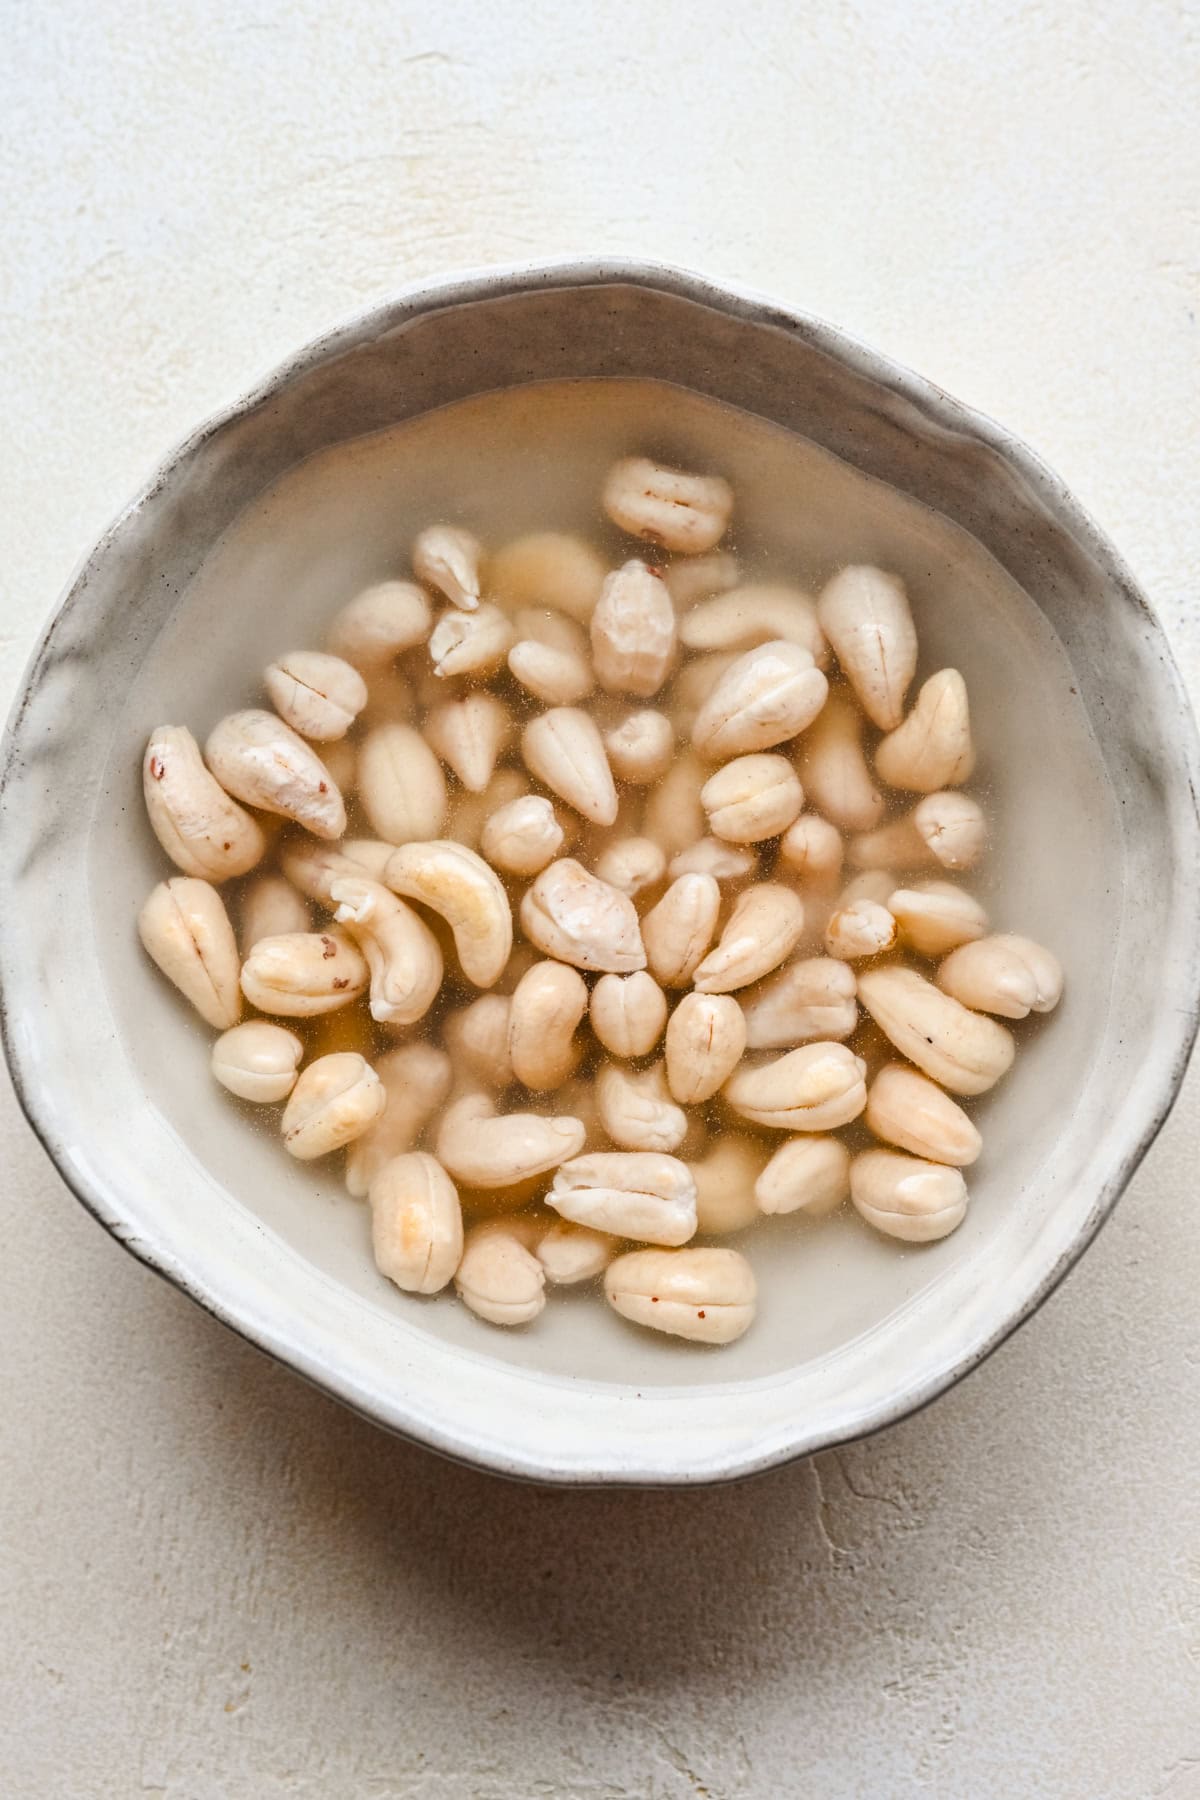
70, 815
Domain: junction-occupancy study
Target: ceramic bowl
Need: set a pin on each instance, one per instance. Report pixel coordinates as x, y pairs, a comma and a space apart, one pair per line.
1094, 757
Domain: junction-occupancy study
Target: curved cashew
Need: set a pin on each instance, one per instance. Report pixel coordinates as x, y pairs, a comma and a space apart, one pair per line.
257, 1061
909, 1110
469, 735
833, 767
678, 931
1005, 974
637, 1111
907, 1198
262, 761
379, 623
564, 749
473, 643
935, 916
553, 673
813, 848
484, 1150
755, 613
705, 1040
455, 882
706, 1295
416, 1223
404, 957
689, 513
477, 1038
523, 836
807, 1000
185, 929
815, 1088
545, 1010
644, 1196
202, 830
336, 1099
765, 697
633, 632
766, 924
752, 798
932, 747
631, 864
628, 1013
548, 568
640, 748
416, 1079
313, 867
946, 830
573, 1253
807, 1174
499, 1277
866, 617
317, 695
271, 907
447, 558
401, 785
576, 918
961, 1050
303, 973
725, 1186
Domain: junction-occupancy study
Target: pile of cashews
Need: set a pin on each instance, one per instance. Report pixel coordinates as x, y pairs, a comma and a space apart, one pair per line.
646, 892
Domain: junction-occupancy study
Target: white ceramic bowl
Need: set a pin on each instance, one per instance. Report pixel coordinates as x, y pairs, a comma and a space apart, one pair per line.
1080, 710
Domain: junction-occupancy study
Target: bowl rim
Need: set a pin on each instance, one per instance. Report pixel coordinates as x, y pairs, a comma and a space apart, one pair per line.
104, 1201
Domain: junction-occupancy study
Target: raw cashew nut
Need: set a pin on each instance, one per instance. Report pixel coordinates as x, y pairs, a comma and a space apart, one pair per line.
370, 856
694, 684
474, 643
674, 816
499, 1277
548, 568
907, 1198
477, 1038
379, 623
404, 957
640, 748
1005, 974
637, 1111
678, 931
640, 1195
576, 918
767, 696
469, 736
317, 695
834, 769
563, 748
725, 1181
271, 907
909, 1110
807, 1174
336, 1099
864, 928
458, 884
945, 830
303, 973
698, 577
631, 864
961, 1050
932, 748
549, 1001
755, 613
633, 632
522, 837
706, 1036
471, 812
766, 924
570, 1253
807, 1000
556, 674
416, 1079
447, 558
416, 1223
752, 798
257, 1061
689, 513
185, 929
813, 848
202, 830
313, 867
814, 1088
401, 785
935, 917
483, 1150
628, 1013
866, 617
706, 1295
709, 856
261, 761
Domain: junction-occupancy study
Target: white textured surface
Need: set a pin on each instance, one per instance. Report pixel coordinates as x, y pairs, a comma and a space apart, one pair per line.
217, 1585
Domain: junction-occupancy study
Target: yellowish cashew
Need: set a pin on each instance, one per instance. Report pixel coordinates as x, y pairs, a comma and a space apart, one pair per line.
404, 957
203, 831
185, 929
336, 1099
416, 1223
458, 884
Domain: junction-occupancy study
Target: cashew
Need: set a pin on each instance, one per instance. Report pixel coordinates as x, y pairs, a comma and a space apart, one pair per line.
1005, 974
907, 1198
335, 1100
477, 1038
694, 684
709, 856
767, 696
834, 769
641, 1195
766, 924
416, 1223
553, 673
369, 855
401, 785
548, 568
813, 848
961, 1050
633, 632
404, 957
641, 747
932, 747
471, 812
631, 864
936, 916
447, 558
473, 643
705, 1295
544, 1012
578, 1100
416, 1079
303, 973
317, 695
945, 830
752, 798
579, 919
807, 1000
725, 1186
313, 867
665, 506
636, 1110
678, 931
706, 1036
563, 749
628, 1013
271, 907
379, 623
807, 1174
469, 735
499, 1277
699, 577
522, 837
754, 614
815, 1088
864, 928
909, 1110
257, 1061
570, 1253
674, 816
202, 830
185, 929
458, 884
870, 884
484, 1150
260, 760
896, 845
866, 617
